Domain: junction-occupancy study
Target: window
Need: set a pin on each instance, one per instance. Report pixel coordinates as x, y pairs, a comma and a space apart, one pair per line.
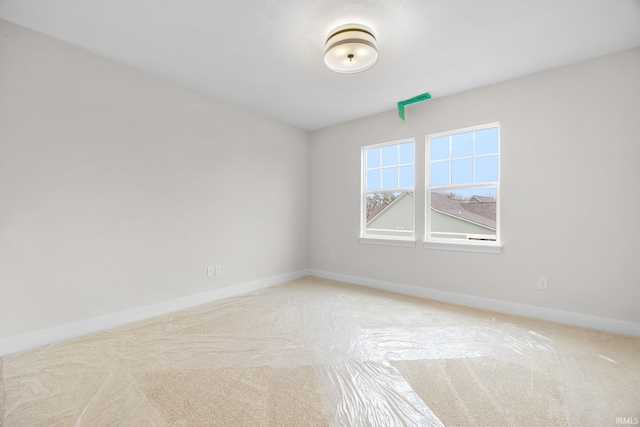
462, 189
388, 181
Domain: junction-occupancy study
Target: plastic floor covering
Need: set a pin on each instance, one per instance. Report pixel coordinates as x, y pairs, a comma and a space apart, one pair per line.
319, 353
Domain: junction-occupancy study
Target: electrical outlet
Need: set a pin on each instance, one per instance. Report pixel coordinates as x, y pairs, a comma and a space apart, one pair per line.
210, 271
218, 270
333, 257
542, 284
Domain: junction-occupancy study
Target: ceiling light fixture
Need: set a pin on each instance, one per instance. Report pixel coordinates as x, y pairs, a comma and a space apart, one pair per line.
351, 48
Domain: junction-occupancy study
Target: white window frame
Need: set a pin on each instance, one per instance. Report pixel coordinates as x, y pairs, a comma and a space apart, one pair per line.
429, 242
379, 239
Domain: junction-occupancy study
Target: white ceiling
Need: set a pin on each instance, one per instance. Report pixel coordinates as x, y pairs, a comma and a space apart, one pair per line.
267, 56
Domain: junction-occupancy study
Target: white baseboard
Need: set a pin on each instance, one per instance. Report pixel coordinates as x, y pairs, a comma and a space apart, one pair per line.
18, 343
565, 317
35, 339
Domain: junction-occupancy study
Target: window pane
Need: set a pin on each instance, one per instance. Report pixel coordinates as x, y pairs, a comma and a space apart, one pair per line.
373, 158
462, 145
373, 179
439, 148
461, 171
390, 155
459, 209
390, 178
439, 174
486, 169
407, 176
390, 214
376, 202
465, 214
469, 193
487, 141
407, 153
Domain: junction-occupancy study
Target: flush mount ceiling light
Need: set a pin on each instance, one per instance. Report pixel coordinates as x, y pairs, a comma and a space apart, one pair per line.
351, 48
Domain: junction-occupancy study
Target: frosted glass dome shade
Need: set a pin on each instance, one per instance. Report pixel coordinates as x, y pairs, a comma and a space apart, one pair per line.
351, 48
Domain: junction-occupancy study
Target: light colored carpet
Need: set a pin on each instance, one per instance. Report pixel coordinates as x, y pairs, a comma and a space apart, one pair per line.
230, 397
314, 353
488, 392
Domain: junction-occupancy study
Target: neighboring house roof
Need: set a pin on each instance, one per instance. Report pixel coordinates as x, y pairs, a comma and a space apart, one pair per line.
378, 210
480, 212
481, 199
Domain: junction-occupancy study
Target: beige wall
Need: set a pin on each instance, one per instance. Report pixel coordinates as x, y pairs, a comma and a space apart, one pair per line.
118, 189
570, 141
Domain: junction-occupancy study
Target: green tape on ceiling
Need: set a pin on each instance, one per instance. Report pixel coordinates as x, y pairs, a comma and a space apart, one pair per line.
413, 100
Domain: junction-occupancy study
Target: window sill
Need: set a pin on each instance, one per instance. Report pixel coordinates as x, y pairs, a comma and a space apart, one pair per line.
388, 242
494, 248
